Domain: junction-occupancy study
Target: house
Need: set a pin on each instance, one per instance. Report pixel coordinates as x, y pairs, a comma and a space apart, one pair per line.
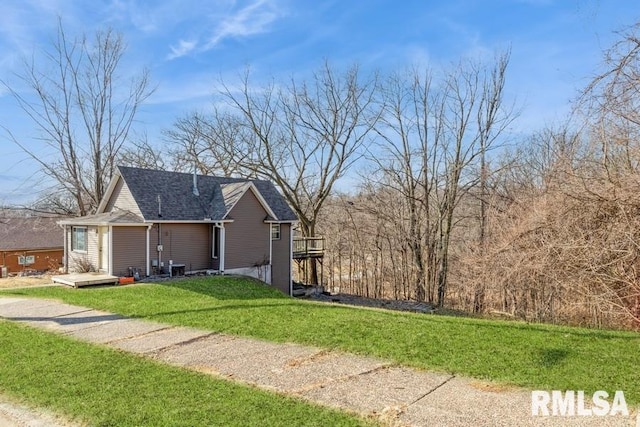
30, 243
152, 222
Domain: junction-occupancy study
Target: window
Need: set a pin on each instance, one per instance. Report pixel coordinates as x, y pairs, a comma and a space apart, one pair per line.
79, 239
26, 260
275, 231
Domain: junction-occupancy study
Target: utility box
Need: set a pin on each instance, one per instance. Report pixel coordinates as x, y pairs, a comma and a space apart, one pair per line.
3, 272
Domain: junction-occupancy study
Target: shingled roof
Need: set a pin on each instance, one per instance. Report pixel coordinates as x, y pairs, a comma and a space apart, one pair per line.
30, 233
214, 198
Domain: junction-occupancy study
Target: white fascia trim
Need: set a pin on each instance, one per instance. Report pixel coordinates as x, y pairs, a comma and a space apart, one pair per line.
270, 221
107, 195
104, 224
261, 200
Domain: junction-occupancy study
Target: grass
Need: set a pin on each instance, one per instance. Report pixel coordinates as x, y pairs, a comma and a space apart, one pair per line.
104, 387
530, 355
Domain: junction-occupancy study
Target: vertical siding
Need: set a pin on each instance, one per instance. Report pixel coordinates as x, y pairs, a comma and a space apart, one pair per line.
78, 259
188, 244
281, 259
247, 237
153, 245
122, 198
129, 249
196, 239
93, 248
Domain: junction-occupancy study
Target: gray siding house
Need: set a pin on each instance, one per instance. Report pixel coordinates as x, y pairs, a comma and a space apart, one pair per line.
152, 222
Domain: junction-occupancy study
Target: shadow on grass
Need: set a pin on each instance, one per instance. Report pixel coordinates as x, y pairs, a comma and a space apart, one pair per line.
551, 357
247, 289
226, 287
502, 325
246, 293
210, 309
70, 321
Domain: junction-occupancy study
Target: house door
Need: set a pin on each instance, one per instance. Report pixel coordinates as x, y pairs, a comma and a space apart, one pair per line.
103, 244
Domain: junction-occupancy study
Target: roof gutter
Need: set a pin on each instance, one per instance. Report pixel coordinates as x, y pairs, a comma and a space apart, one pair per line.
187, 221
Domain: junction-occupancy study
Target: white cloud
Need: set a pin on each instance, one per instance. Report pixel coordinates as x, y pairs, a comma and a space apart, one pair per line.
183, 48
253, 19
194, 25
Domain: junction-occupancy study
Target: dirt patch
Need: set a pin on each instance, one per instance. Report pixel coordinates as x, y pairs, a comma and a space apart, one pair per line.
493, 387
25, 281
295, 362
13, 414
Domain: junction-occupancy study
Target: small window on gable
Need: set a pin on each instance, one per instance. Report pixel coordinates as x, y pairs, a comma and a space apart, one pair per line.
79, 239
275, 231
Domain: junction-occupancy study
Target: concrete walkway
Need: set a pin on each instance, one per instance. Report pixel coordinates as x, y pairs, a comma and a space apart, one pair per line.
397, 395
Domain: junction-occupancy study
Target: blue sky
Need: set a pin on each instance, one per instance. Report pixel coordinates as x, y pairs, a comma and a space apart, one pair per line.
189, 45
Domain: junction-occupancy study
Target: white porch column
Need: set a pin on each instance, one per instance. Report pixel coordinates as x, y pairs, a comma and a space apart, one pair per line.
66, 248
110, 269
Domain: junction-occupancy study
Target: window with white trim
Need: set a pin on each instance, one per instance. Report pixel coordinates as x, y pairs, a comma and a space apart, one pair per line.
79, 239
275, 231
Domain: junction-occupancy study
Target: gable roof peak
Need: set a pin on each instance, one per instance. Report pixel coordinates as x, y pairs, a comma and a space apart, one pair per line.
214, 197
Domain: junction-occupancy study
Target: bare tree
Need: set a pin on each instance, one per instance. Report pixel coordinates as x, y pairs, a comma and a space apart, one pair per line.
82, 110
434, 134
142, 154
206, 141
545, 232
611, 103
303, 136
562, 242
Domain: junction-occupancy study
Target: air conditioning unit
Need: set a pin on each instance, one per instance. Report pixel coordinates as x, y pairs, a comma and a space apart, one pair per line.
3, 272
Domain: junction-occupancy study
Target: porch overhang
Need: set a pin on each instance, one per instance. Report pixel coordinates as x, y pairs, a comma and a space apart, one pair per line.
120, 218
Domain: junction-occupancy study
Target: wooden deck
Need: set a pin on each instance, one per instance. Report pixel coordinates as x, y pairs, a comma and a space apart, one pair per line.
85, 279
308, 247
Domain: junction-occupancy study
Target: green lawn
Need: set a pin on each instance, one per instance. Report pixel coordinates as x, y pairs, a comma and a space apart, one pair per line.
104, 387
530, 355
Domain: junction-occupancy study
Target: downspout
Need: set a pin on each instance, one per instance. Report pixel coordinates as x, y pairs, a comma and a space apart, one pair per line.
158, 248
270, 281
290, 258
214, 257
222, 250
148, 249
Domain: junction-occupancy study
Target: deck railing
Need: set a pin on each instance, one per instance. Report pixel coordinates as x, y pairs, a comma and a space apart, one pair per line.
308, 247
